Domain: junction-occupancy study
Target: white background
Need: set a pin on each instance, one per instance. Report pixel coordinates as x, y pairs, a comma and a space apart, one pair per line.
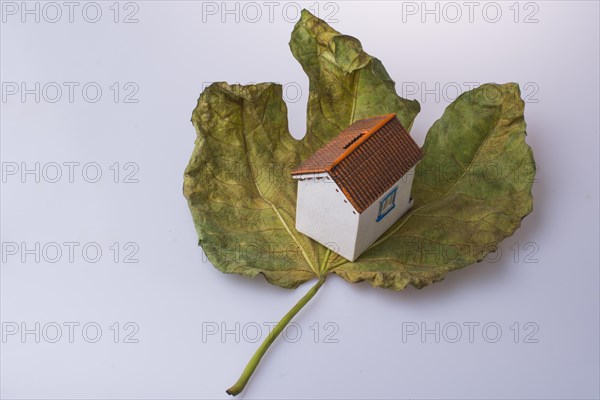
172, 293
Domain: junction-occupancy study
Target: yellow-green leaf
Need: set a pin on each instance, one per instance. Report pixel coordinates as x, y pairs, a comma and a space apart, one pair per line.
471, 189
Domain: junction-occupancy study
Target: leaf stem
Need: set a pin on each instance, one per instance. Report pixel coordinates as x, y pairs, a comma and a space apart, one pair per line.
253, 363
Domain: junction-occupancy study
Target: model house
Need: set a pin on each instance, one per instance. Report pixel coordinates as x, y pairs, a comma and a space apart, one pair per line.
355, 187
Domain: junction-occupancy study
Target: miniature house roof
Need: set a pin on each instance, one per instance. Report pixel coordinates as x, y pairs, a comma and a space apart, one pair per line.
365, 159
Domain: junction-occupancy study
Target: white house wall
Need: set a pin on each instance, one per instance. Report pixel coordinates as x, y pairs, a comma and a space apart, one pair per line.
369, 229
324, 214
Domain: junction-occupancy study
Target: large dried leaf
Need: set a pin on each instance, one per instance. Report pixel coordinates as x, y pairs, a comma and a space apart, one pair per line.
471, 190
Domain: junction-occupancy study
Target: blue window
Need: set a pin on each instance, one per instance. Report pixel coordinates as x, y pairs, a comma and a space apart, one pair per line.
387, 204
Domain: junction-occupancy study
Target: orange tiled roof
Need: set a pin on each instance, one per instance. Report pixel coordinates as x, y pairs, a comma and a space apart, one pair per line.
366, 159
